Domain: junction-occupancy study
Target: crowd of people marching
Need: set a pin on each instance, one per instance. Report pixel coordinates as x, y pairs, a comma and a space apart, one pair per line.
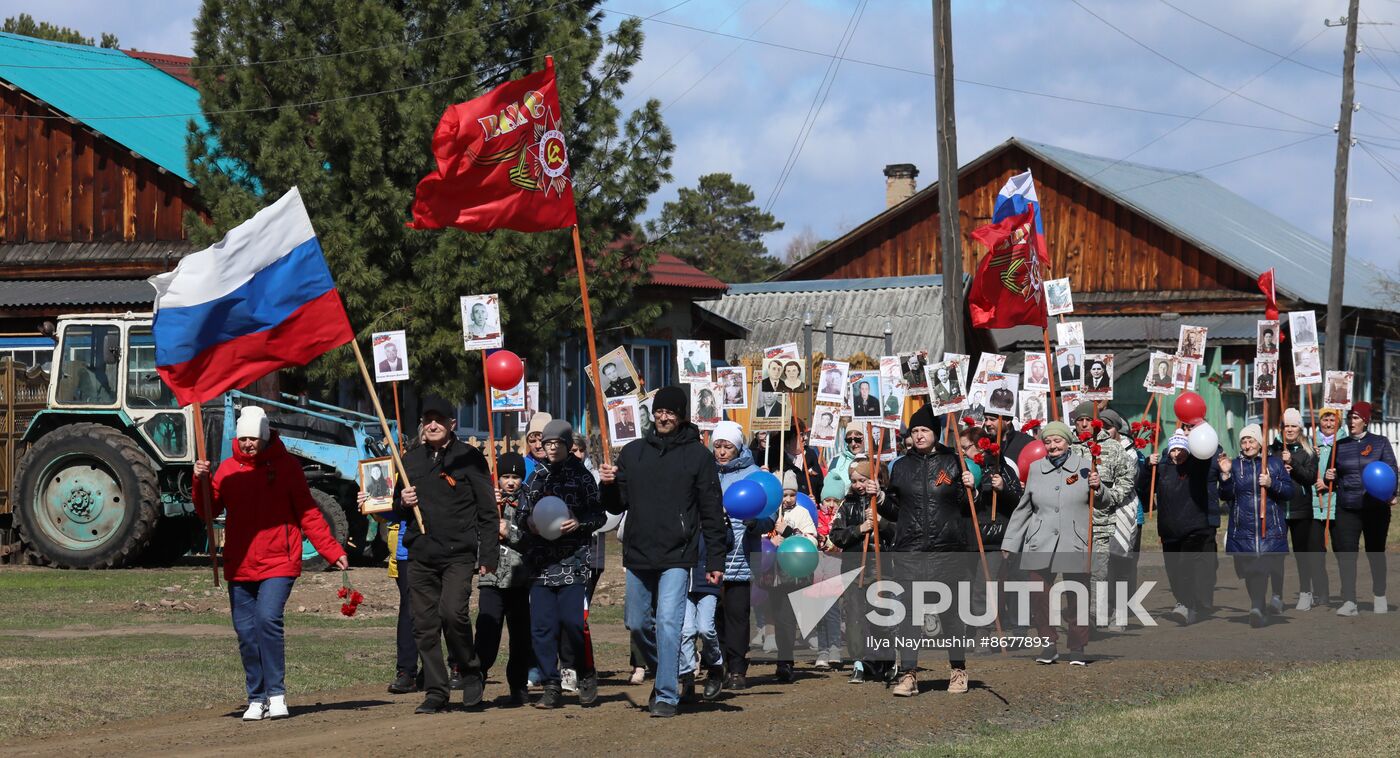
698, 596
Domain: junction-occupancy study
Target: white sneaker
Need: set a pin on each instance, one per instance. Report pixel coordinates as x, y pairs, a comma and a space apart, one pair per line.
1348, 609
256, 712
1276, 605
1381, 605
277, 707
1180, 610
1305, 601
568, 680
822, 664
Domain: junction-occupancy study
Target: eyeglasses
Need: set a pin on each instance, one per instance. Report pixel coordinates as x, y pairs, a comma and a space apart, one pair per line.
663, 413
553, 443
855, 439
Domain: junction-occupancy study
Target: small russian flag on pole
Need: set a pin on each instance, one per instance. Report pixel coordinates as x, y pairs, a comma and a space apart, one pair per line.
260, 299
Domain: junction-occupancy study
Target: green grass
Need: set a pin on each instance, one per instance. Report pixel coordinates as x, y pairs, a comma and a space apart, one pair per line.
1338, 709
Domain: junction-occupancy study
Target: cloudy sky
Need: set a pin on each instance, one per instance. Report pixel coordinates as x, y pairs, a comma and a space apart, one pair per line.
738, 79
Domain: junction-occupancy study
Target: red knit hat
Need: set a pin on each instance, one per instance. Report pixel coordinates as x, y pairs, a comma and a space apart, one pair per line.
1363, 410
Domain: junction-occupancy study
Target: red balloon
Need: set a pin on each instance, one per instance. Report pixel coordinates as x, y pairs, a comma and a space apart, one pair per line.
1032, 452
1190, 408
504, 370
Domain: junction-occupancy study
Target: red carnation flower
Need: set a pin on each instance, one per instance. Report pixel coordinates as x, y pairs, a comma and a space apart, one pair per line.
970, 421
1095, 449
1084, 436
356, 598
983, 443
1031, 425
978, 459
347, 609
1097, 424
1141, 443
343, 592
994, 449
1136, 426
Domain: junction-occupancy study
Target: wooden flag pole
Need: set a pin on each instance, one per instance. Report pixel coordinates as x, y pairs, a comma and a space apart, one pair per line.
802, 457
875, 499
1093, 468
977, 527
998, 455
384, 424
206, 493
1156, 438
1306, 392
490, 421
398, 417
1050, 372
1264, 462
599, 406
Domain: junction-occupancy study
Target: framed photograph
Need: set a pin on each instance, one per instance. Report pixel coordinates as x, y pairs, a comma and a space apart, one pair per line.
623, 420
945, 383
644, 423
1001, 393
1267, 342
532, 406
1160, 374
693, 361
892, 405
1033, 407
986, 364
1069, 401
865, 396
1098, 376
1069, 334
891, 376
1058, 298
911, 366
1307, 365
704, 406
784, 375
732, 382
619, 376
1069, 366
1265, 379
1037, 376
1185, 374
390, 356
1338, 391
832, 384
377, 480
1191, 345
481, 322
770, 411
785, 350
825, 421
976, 406
1303, 326
512, 399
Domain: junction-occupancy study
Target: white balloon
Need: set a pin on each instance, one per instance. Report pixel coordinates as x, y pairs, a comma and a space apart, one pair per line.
1203, 442
612, 522
548, 516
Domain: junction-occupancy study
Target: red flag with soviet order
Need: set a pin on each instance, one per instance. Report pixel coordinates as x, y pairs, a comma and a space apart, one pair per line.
1266, 285
1006, 290
502, 162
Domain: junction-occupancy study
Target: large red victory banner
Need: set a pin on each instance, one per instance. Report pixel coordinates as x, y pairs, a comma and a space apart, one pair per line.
502, 162
1006, 290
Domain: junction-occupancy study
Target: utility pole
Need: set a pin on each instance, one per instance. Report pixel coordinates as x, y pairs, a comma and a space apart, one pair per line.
1333, 348
949, 229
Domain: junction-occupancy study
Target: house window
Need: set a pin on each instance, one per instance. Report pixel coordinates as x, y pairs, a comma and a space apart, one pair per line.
1392, 380
1358, 361
652, 359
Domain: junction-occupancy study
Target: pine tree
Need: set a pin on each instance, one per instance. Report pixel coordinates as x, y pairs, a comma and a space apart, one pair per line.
357, 159
26, 25
717, 228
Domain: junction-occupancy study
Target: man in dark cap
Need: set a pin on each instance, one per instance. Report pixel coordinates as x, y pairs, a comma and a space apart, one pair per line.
452, 490
668, 485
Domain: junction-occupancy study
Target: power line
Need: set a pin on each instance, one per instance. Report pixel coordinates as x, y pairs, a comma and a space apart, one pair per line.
638, 96
727, 56
1212, 166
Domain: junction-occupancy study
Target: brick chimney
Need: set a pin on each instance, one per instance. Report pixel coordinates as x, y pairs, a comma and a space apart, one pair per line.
899, 183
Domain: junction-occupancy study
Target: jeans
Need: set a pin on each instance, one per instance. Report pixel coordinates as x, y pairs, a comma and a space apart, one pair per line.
257, 618
1348, 528
656, 606
505, 608
700, 620
829, 634
441, 594
556, 619
406, 656
735, 633
568, 657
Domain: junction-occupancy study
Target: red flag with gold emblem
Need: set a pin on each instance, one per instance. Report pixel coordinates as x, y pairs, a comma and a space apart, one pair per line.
1006, 290
502, 162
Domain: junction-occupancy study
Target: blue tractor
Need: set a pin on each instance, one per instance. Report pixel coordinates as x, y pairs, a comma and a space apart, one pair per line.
102, 474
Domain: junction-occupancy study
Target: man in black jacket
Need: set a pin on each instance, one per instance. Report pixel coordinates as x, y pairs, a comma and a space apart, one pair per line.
928, 497
452, 489
668, 485
1188, 513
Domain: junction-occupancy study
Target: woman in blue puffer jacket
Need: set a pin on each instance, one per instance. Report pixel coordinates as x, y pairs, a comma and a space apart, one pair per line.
1258, 552
735, 464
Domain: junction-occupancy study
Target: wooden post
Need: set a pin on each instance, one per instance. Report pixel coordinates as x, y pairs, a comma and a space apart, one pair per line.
977, 529
384, 424
998, 454
1264, 462
599, 406
875, 499
1156, 438
949, 232
398, 416
802, 457
206, 493
1050, 373
1093, 468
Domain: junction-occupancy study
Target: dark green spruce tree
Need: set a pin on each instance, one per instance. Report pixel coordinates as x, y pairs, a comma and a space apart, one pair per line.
716, 227
286, 91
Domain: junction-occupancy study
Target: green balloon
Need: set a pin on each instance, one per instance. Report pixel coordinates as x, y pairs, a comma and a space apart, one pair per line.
797, 556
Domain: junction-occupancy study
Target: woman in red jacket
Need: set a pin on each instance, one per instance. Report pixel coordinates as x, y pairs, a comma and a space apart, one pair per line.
269, 506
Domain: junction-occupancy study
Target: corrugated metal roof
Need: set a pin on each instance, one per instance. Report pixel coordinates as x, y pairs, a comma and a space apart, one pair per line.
85, 252
43, 292
177, 66
94, 85
1219, 222
1114, 331
773, 313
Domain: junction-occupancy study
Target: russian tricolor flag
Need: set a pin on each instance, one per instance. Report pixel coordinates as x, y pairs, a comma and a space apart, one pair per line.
260, 299
1014, 198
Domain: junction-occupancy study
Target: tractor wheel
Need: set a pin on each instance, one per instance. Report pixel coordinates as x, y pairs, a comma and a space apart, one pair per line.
336, 520
88, 498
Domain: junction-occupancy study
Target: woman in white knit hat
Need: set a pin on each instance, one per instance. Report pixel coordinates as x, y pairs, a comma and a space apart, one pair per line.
1258, 536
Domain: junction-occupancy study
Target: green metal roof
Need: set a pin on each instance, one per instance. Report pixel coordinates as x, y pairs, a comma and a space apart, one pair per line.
128, 100
1220, 222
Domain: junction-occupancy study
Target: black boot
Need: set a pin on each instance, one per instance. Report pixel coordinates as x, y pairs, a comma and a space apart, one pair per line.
473, 687
403, 683
785, 673
431, 704
736, 682
714, 682
687, 688
588, 688
551, 698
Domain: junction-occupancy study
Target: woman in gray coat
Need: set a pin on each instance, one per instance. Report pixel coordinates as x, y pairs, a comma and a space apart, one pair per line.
1050, 531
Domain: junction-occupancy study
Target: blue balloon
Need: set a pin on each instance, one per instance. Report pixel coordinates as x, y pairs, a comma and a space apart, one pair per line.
1379, 480
797, 557
772, 487
767, 553
770, 510
744, 499
806, 503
